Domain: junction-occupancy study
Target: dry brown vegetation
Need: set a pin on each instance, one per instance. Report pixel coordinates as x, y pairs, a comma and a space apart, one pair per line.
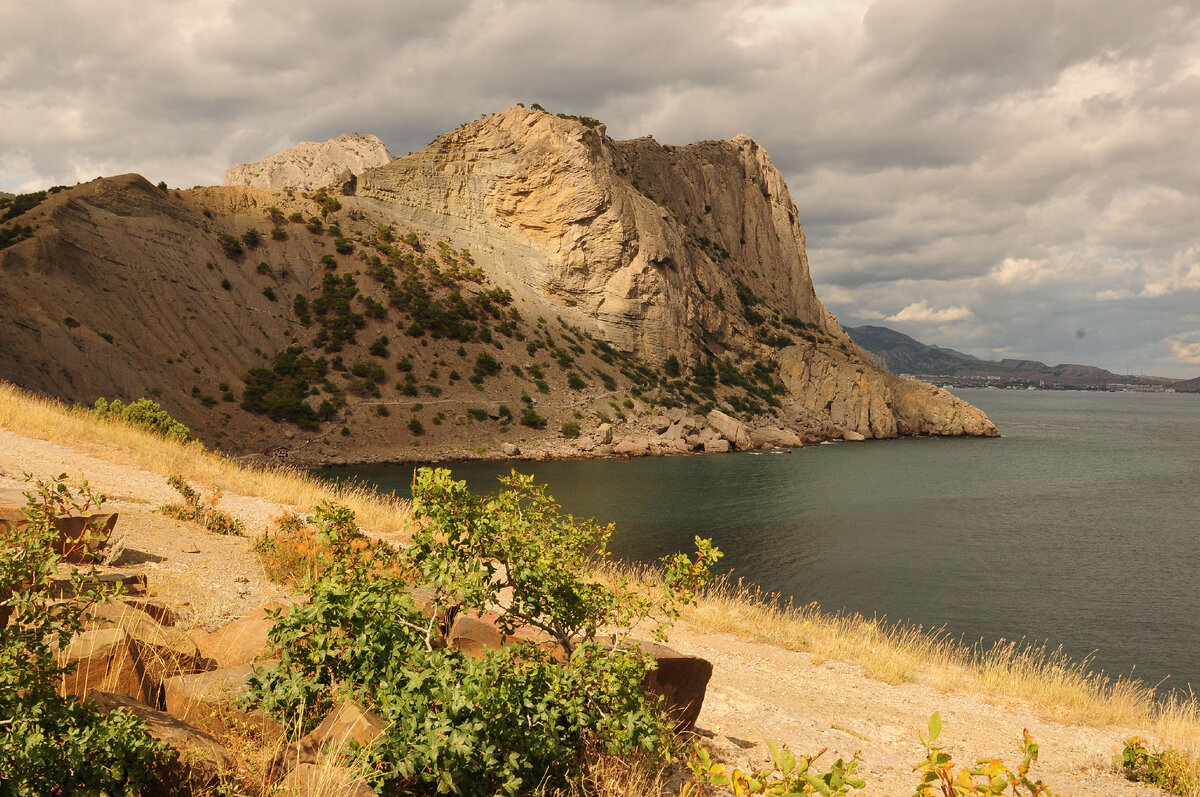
48, 419
1046, 679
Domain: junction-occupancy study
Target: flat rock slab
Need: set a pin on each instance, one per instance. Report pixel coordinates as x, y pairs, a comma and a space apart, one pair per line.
199, 752
105, 661
130, 581
240, 642
208, 700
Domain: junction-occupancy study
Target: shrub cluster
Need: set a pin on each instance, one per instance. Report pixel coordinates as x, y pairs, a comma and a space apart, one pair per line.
144, 413
50, 743
517, 719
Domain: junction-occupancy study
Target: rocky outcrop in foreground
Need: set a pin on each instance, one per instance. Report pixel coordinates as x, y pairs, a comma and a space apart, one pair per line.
310, 165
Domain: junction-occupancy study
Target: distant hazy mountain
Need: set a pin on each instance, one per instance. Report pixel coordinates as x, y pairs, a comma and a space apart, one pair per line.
901, 354
904, 355
1188, 386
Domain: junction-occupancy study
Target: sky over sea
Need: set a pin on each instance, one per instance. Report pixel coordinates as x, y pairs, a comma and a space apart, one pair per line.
1008, 178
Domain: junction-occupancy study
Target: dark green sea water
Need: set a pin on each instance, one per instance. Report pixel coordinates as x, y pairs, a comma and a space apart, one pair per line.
1080, 526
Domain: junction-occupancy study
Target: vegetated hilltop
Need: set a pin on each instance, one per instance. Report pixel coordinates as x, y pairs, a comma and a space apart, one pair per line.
1188, 386
902, 354
523, 283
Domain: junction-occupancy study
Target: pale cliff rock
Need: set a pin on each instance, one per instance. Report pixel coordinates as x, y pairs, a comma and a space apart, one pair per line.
660, 250
567, 214
311, 165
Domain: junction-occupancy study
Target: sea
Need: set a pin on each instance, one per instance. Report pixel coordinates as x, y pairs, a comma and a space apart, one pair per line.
1079, 527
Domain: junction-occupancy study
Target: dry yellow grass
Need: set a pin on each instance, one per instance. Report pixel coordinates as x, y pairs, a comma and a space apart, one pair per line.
1046, 679
47, 419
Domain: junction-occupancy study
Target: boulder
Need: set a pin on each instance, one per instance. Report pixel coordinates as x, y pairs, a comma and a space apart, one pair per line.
240, 642
208, 700
475, 636
161, 651
658, 423
493, 411
604, 434
324, 780
200, 757
774, 437
675, 431
633, 447
732, 430
717, 446
159, 611
80, 539
510, 449
853, 436
682, 681
104, 660
347, 723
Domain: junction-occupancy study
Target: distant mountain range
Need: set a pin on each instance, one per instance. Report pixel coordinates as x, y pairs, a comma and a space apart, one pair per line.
902, 354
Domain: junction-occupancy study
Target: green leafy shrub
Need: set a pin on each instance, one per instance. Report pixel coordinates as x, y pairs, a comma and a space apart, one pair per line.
251, 238
52, 744
1169, 769
575, 381
202, 510
515, 720
989, 777
787, 776
530, 418
144, 413
416, 427
231, 245
570, 429
280, 392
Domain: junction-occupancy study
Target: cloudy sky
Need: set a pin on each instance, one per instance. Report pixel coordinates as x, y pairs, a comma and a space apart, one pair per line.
1010, 178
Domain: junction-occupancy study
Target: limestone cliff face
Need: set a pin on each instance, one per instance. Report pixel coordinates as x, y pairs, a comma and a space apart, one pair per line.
642, 243
310, 165
694, 251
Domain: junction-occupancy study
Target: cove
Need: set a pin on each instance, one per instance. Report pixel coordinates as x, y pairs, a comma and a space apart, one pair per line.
1077, 527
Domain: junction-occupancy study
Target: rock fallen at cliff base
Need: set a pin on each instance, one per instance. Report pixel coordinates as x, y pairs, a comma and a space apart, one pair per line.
732, 430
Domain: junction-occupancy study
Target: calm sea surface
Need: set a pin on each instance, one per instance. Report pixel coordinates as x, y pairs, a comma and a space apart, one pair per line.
1080, 526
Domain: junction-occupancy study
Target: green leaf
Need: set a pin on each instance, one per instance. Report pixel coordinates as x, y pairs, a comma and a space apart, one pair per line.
935, 727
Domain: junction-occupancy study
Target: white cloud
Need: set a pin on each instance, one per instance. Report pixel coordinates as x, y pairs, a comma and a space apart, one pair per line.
1186, 347
921, 312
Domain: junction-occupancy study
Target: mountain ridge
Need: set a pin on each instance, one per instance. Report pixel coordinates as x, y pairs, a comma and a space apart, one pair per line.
590, 289
901, 353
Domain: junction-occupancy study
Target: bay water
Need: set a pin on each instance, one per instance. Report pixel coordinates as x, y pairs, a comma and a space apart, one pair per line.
1080, 526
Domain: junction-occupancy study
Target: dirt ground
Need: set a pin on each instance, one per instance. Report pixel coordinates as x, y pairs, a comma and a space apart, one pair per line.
757, 692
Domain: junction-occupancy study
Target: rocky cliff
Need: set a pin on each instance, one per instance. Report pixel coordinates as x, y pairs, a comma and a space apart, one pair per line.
310, 165
525, 283
694, 251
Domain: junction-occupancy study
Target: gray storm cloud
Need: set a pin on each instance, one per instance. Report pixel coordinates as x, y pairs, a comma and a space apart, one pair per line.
991, 176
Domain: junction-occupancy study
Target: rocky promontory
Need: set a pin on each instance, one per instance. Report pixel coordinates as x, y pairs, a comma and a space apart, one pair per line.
523, 284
